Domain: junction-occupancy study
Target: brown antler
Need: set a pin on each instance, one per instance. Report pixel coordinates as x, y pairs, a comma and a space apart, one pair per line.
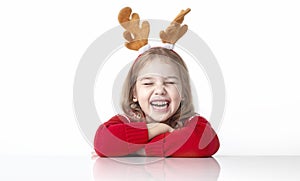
175, 31
136, 36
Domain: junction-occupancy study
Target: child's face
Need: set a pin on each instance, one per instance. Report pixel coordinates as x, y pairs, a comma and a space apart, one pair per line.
158, 90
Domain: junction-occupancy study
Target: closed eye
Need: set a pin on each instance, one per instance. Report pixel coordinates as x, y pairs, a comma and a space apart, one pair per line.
170, 82
147, 83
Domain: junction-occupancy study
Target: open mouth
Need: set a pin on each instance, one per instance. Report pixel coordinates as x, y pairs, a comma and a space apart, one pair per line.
160, 105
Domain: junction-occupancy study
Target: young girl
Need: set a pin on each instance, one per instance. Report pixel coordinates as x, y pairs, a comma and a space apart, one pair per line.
159, 115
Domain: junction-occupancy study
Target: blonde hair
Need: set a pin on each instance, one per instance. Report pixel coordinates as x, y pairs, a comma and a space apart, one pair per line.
133, 110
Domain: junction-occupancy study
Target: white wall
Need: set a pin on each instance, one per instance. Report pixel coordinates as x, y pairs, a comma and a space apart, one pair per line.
255, 42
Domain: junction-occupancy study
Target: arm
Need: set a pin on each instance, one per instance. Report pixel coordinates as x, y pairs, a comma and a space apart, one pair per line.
118, 137
154, 129
196, 139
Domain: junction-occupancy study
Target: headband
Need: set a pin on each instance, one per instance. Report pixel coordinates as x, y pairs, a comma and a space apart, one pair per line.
137, 35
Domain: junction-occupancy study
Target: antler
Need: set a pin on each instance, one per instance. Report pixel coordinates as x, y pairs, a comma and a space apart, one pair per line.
174, 32
136, 36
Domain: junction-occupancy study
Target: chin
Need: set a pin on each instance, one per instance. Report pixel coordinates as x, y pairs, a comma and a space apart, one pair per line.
158, 119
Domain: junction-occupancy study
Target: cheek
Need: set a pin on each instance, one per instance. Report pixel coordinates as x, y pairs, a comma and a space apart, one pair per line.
143, 93
176, 92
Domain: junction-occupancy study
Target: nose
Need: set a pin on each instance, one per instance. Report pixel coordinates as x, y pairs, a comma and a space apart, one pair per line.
160, 89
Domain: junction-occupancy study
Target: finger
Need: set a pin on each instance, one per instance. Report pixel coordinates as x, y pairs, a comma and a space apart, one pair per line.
94, 156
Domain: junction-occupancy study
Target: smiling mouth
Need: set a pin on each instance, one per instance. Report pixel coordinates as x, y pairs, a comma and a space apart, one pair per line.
160, 105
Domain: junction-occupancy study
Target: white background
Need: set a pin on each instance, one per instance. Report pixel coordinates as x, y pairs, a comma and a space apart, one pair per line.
255, 42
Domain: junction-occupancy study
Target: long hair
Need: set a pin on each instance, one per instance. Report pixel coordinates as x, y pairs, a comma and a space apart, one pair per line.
133, 110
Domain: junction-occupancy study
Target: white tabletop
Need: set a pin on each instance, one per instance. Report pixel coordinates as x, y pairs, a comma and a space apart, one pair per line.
152, 168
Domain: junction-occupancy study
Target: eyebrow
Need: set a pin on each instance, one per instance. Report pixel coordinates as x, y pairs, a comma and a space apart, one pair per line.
150, 78
172, 77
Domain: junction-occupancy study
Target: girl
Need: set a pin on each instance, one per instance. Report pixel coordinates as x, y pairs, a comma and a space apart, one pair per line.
159, 116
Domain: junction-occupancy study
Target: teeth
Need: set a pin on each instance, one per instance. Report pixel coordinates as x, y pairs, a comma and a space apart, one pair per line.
159, 103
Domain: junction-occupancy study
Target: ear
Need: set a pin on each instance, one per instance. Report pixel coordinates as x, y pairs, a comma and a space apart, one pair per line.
134, 94
182, 99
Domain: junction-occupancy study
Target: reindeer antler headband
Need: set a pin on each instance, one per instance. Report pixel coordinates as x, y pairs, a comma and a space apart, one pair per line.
137, 36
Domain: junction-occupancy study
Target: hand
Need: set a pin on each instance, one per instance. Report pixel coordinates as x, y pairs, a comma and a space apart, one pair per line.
141, 152
94, 155
155, 129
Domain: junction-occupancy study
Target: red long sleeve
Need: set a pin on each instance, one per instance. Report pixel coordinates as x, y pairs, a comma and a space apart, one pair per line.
196, 139
118, 137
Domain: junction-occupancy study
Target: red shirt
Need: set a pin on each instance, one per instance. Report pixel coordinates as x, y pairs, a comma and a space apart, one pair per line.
120, 137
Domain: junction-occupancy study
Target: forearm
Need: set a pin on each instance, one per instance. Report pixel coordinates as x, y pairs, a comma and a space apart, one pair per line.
155, 129
120, 139
198, 139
